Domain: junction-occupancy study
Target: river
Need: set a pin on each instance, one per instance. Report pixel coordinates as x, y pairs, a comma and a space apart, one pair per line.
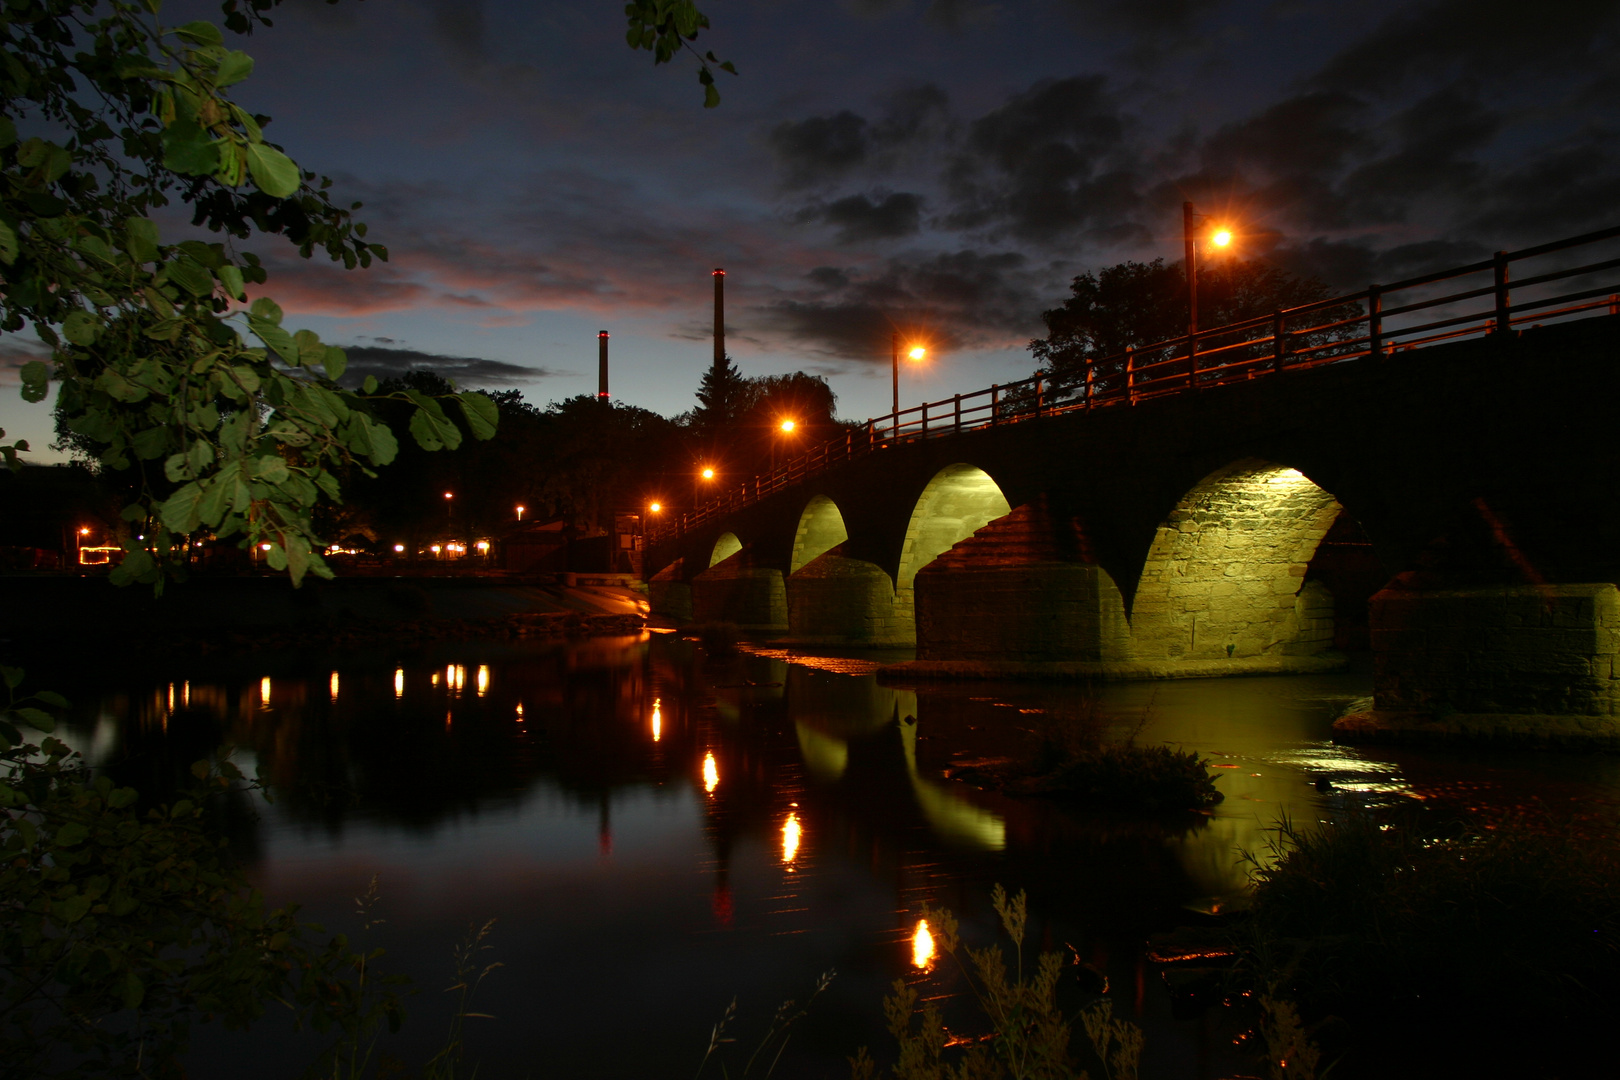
657, 832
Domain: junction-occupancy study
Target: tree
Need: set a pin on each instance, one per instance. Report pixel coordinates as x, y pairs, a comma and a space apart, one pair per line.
1132, 305
231, 423
721, 396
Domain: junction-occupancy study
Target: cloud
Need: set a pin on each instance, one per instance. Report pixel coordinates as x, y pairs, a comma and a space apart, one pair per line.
859, 218
820, 147
1050, 161
1486, 39
467, 371
954, 300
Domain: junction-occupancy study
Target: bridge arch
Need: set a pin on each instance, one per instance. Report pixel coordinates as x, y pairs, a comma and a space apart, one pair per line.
821, 528
725, 546
1225, 575
959, 500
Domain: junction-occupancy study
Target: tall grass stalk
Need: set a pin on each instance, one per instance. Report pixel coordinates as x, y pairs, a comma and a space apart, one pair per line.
469, 975
776, 1037
1030, 1035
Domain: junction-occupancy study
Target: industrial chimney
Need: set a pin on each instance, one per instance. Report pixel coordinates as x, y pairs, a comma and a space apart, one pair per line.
601, 388
719, 318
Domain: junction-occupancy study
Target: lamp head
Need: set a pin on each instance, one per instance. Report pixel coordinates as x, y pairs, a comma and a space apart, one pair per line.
1221, 237
917, 352
787, 425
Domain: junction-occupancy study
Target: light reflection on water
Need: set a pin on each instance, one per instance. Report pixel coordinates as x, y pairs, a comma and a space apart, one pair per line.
658, 833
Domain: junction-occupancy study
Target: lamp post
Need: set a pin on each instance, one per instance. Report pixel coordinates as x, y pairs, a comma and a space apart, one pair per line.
520, 512
705, 475
785, 428
449, 501
917, 353
1220, 236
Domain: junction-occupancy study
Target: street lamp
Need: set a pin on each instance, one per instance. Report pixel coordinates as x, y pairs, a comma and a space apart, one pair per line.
917, 352
449, 497
786, 426
520, 512
655, 507
705, 475
1220, 236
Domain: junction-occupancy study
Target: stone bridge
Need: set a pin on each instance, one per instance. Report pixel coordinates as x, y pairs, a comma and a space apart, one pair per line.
1455, 507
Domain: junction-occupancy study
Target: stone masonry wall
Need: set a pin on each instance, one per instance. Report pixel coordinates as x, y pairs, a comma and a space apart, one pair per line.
733, 591
845, 600
1223, 576
1547, 650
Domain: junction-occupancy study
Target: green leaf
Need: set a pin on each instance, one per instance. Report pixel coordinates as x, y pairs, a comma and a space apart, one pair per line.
36, 379
236, 66
336, 362
273, 172
482, 414
199, 33
181, 512
53, 699
270, 469
38, 719
141, 239
8, 243
71, 835
191, 276
182, 808
150, 443
8, 132
188, 149
231, 278
370, 385
132, 990
267, 310
81, 327
122, 797
275, 337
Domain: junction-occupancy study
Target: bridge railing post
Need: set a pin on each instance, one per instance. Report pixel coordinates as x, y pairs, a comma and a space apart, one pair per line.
1504, 318
1130, 375
1192, 361
1091, 383
1375, 321
958, 400
1040, 396
995, 404
1279, 340
925, 419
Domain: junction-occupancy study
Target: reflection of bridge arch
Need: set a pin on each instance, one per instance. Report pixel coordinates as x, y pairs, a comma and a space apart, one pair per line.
1225, 575
821, 528
725, 546
959, 500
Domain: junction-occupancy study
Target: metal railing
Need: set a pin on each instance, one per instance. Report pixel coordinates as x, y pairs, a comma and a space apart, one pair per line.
1380, 321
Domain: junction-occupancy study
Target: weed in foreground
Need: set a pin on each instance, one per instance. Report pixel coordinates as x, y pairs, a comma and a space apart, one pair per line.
772, 1044
1030, 1036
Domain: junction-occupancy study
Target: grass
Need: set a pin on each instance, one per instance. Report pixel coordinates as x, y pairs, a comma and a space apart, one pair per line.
1442, 944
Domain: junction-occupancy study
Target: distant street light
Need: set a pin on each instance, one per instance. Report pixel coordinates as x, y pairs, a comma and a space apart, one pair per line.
655, 507
787, 425
917, 352
520, 512
1220, 236
449, 501
706, 476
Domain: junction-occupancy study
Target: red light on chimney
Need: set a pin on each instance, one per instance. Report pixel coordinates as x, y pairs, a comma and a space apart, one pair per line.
601, 333
718, 272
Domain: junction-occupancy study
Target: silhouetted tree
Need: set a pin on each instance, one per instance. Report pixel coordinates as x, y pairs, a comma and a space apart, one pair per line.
1136, 304
721, 395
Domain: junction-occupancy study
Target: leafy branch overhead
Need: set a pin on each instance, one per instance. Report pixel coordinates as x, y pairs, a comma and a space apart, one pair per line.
231, 423
665, 28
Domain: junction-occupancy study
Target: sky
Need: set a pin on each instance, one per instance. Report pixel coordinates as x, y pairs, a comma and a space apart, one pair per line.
943, 168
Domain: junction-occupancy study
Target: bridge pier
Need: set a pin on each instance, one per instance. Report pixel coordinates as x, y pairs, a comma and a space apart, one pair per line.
668, 596
1533, 664
736, 591
837, 600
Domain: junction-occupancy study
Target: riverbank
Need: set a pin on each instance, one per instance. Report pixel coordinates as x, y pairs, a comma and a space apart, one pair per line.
235, 614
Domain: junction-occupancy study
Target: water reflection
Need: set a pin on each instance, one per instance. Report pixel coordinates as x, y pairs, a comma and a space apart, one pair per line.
922, 946
578, 795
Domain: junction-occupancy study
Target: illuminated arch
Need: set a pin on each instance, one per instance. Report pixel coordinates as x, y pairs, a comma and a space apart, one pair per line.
1225, 575
958, 501
724, 548
821, 528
